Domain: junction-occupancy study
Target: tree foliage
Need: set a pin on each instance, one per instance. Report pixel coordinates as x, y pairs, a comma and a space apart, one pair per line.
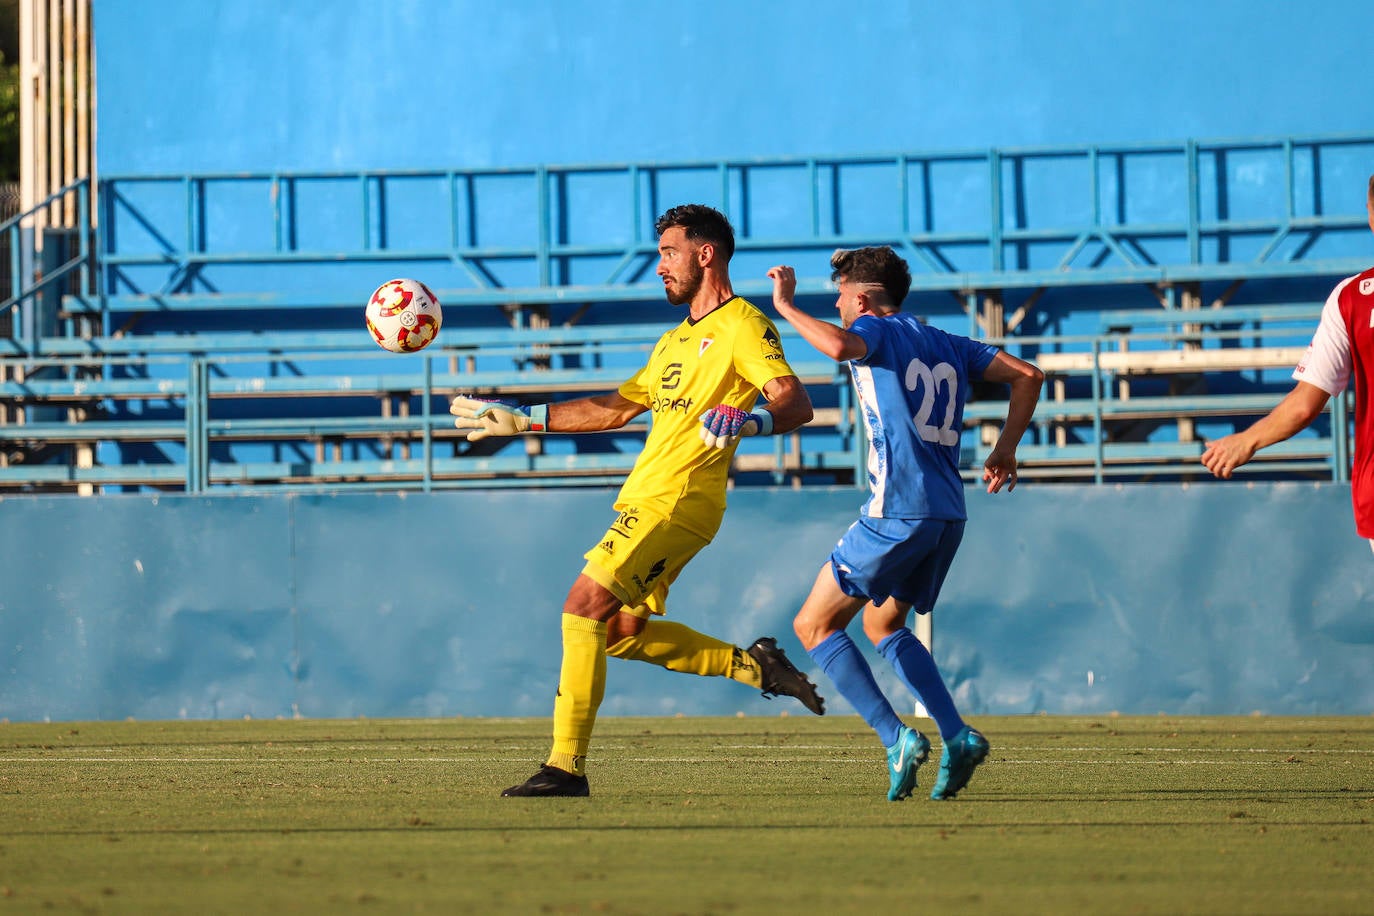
9, 120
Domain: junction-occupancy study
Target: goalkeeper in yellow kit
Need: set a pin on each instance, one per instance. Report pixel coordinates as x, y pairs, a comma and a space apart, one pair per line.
701, 382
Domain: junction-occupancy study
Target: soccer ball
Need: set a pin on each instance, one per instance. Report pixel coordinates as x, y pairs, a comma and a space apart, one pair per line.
403, 316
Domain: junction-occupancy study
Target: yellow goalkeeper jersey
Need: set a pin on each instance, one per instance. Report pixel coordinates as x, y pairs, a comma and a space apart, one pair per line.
725, 358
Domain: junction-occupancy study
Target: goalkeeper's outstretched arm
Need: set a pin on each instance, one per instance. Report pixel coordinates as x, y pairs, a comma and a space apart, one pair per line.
593, 414
484, 418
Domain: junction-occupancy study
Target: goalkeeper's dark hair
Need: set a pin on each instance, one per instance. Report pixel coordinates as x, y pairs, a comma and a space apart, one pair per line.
700, 223
880, 265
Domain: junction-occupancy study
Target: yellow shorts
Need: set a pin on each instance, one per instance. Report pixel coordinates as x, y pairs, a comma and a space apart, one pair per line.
638, 558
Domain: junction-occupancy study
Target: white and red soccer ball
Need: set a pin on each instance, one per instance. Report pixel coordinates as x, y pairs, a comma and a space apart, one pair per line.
403, 316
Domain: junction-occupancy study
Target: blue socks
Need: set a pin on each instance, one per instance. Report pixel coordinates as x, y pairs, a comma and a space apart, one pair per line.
845, 665
916, 668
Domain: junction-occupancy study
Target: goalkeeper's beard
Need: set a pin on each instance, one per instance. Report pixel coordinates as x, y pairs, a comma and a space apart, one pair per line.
687, 289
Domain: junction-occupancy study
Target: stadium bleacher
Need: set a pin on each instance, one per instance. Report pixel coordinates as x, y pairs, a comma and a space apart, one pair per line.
166, 346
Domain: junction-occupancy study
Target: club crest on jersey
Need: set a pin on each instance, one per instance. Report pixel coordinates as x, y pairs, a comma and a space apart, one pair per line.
1367, 286
705, 345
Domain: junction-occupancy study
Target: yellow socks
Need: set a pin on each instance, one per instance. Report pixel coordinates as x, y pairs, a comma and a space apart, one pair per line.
581, 685
680, 648
582, 680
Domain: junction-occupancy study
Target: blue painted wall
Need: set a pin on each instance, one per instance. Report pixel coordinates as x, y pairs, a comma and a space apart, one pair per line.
1219, 599
253, 84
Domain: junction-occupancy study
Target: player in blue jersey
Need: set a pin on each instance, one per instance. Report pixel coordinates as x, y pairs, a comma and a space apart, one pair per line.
912, 382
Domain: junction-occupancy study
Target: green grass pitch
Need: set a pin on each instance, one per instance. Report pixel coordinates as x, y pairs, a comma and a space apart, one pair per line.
688, 815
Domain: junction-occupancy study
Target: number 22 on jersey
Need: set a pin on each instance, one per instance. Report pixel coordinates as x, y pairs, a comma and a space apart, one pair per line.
919, 375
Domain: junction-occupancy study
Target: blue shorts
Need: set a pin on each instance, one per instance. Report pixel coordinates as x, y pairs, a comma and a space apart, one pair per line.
902, 558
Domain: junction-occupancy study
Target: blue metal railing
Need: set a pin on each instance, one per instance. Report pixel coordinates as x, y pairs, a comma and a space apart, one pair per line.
28, 280
967, 219
1115, 232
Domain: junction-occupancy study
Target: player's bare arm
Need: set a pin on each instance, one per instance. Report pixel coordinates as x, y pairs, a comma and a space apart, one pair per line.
832, 340
1025, 380
789, 403
593, 414
483, 418
1294, 413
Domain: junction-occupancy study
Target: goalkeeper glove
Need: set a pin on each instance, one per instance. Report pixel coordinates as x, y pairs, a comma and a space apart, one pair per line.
492, 418
721, 426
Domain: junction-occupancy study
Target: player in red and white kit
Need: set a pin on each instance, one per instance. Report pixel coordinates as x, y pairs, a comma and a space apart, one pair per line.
1343, 346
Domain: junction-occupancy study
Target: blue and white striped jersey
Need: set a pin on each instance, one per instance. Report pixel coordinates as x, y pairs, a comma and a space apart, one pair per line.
912, 385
